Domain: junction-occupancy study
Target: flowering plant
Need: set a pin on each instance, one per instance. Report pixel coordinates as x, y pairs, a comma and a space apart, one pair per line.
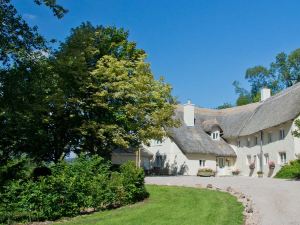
271, 164
236, 172
252, 166
206, 170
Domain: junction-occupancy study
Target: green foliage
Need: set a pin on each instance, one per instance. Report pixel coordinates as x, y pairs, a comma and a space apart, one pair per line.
83, 184
15, 169
296, 132
17, 39
282, 73
244, 96
171, 205
133, 181
225, 106
96, 94
290, 171
58, 10
110, 92
243, 100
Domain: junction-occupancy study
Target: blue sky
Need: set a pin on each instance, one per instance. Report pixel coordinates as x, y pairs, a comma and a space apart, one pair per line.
199, 46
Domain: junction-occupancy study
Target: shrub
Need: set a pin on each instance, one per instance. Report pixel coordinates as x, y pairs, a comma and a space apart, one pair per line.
205, 172
133, 182
252, 166
14, 169
236, 172
271, 165
85, 183
290, 171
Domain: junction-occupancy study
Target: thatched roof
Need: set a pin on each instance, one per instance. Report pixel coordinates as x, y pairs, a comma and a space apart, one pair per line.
276, 110
209, 125
235, 122
251, 118
195, 140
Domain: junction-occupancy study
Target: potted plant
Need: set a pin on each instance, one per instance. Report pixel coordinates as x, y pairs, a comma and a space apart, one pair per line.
206, 172
252, 166
260, 174
271, 165
235, 172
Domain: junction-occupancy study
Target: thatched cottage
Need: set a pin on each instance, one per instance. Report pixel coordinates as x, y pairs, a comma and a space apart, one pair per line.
254, 135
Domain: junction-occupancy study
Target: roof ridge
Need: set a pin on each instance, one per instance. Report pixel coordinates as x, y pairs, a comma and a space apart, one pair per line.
283, 92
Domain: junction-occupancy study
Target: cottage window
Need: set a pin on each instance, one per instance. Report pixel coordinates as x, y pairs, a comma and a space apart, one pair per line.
248, 142
215, 135
269, 138
202, 163
282, 157
256, 140
281, 134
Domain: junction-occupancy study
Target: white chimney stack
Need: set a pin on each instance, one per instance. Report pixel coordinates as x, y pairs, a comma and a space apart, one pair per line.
188, 114
265, 93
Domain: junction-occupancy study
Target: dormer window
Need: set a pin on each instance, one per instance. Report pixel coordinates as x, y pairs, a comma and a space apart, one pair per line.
215, 135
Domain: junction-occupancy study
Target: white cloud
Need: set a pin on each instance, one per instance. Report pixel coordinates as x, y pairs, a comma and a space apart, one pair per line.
29, 16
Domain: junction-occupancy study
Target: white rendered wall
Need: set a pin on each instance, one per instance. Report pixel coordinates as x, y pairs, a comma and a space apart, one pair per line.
272, 149
177, 162
296, 141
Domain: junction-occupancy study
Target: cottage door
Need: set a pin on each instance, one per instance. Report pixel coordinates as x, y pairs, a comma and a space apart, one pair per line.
221, 166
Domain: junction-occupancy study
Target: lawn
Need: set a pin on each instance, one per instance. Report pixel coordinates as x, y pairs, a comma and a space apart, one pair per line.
170, 205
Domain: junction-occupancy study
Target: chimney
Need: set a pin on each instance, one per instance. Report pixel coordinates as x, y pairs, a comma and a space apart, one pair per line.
265, 93
188, 114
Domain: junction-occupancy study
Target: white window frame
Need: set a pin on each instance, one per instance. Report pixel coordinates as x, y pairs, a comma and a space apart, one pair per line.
282, 160
270, 138
215, 135
281, 134
202, 162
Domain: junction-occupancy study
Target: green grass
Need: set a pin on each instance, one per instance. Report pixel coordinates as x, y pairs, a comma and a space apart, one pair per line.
170, 205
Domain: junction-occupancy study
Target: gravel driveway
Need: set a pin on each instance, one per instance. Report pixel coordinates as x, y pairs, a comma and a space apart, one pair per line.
277, 201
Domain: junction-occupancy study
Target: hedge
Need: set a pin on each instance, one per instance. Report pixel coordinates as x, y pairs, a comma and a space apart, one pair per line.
87, 183
290, 171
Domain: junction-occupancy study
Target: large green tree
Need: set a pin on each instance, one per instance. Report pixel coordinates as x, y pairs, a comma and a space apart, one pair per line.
111, 94
96, 93
27, 86
17, 39
281, 74
287, 68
